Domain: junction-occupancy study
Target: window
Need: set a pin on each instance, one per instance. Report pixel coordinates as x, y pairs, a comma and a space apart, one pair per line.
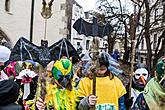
87, 44
7, 5
155, 41
78, 43
143, 19
164, 13
142, 46
156, 14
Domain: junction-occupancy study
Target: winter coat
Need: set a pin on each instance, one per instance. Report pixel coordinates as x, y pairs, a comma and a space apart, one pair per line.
11, 106
9, 91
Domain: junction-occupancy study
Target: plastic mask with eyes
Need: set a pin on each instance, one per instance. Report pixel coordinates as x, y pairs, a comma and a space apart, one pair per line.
141, 76
62, 71
142, 72
28, 64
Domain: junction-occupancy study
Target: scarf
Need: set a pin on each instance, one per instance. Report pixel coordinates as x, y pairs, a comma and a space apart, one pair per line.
154, 95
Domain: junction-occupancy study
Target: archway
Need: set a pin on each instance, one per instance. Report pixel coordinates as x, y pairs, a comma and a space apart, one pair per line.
4, 39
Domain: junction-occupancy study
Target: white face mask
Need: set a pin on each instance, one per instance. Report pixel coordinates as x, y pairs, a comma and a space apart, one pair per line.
141, 72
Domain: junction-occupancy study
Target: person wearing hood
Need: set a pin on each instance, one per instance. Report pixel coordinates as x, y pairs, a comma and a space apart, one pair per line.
9, 92
153, 97
61, 94
116, 55
139, 80
109, 89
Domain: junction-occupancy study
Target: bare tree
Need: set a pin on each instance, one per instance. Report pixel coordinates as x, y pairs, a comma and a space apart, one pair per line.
144, 10
146, 29
118, 17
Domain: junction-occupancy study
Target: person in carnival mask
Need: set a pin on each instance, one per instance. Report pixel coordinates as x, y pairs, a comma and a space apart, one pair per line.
61, 95
153, 97
27, 79
140, 78
109, 90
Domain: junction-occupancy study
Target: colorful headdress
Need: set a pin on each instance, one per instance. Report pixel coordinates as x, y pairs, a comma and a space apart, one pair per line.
12, 69
62, 68
29, 64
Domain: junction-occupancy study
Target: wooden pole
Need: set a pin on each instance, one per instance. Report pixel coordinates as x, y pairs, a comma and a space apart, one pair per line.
133, 41
95, 58
132, 66
46, 14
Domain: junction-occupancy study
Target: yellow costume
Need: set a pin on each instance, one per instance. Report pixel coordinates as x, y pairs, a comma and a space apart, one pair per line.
60, 99
108, 91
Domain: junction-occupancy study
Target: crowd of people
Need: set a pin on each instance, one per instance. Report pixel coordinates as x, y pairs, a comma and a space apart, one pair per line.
70, 87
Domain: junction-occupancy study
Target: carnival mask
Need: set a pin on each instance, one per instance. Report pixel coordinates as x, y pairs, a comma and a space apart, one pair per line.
160, 69
141, 75
62, 71
28, 64
27, 77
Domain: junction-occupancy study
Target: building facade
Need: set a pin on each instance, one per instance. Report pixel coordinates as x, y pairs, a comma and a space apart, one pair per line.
16, 16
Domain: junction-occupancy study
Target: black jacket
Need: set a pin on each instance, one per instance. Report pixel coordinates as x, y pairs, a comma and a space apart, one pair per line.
9, 91
11, 106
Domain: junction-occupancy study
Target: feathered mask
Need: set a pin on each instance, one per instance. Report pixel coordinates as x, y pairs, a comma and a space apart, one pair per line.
62, 68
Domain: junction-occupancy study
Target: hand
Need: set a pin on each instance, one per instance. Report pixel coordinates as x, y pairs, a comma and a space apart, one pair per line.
41, 105
129, 102
92, 99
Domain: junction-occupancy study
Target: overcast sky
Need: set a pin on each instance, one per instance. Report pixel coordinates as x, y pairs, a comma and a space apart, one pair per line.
87, 4
91, 4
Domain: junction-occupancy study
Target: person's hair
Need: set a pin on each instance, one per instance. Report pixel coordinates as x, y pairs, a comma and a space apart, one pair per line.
107, 73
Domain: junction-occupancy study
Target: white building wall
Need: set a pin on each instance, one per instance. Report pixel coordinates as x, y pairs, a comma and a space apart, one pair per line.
77, 12
17, 23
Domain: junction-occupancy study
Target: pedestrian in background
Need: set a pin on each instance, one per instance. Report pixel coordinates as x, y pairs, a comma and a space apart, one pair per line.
116, 55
